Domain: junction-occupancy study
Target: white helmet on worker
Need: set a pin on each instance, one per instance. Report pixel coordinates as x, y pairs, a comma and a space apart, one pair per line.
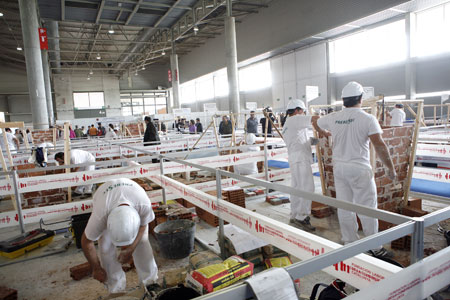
250, 139
293, 104
352, 89
123, 225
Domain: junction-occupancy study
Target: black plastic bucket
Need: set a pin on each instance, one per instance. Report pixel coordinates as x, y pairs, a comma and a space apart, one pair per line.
175, 238
178, 293
79, 223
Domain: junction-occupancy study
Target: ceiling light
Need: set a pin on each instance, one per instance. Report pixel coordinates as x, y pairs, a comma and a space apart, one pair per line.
1, 14
88, 78
136, 73
195, 28
111, 30
98, 56
19, 48
318, 37
91, 72
143, 68
163, 52
352, 26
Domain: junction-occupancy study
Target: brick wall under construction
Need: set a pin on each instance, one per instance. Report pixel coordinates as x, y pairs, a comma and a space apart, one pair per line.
390, 194
42, 136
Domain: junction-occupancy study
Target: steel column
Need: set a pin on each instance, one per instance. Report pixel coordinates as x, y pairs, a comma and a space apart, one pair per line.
417, 240
175, 78
232, 68
53, 41
48, 88
33, 59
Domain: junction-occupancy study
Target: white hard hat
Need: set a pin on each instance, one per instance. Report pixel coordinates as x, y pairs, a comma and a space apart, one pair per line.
352, 89
250, 139
293, 104
123, 225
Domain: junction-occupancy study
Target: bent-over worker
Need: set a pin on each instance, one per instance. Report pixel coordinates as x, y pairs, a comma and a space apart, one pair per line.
78, 156
352, 129
295, 134
120, 217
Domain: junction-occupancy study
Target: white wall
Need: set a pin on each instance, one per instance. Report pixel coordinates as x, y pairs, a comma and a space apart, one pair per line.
149, 79
65, 85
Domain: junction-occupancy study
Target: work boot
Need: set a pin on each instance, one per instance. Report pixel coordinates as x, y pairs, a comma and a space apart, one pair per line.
304, 225
382, 252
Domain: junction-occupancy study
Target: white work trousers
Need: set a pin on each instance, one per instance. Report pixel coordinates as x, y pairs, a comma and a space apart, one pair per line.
355, 183
86, 189
302, 179
143, 260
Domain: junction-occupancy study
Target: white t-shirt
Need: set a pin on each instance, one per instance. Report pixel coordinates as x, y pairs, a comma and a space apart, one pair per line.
46, 145
78, 156
295, 134
350, 130
250, 168
398, 117
112, 194
10, 138
110, 134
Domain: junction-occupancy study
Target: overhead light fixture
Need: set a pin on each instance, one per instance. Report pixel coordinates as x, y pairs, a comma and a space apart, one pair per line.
98, 56
1, 14
318, 37
19, 48
88, 78
397, 10
163, 52
352, 26
111, 29
136, 73
91, 72
195, 30
143, 68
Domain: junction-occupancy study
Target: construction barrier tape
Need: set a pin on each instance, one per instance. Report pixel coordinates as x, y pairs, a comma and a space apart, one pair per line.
418, 281
440, 175
433, 150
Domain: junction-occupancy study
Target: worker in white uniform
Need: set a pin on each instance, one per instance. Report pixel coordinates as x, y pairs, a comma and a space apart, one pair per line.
13, 142
397, 115
351, 130
250, 168
110, 134
298, 144
78, 156
120, 217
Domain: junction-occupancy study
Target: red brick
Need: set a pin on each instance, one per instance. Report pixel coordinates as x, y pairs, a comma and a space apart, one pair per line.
415, 203
35, 201
321, 212
80, 271
413, 212
401, 131
387, 133
56, 198
395, 141
379, 174
384, 181
51, 192
31, 195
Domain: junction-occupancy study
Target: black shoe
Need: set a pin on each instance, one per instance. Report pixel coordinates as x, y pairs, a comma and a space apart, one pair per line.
304, 225
381, 253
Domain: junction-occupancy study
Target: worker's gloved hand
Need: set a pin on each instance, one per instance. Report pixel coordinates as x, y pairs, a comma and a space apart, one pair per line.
392, 175
125, 255
313, 141
99, 274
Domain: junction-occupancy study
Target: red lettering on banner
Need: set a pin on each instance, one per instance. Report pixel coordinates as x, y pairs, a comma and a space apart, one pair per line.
22, 185
235, 159
16, 218
43, 41
259, 227
85, 177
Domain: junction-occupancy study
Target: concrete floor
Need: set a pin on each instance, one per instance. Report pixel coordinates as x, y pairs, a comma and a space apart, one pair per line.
48, 277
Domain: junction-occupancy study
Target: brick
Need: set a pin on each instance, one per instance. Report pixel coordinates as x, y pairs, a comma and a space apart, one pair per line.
35, 201
31, 195
387, 133
51, 192
401, 131
413, 212
56, 198
395, 141
7, 293
321, 212
80, 271
383, 225
415, 203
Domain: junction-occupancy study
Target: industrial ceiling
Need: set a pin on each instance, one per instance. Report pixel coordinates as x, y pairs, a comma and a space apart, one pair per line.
119, 36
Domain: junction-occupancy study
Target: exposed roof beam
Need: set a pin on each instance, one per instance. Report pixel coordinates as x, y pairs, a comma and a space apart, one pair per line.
136, 7
89, 61
251, 4
100, 10
153, 4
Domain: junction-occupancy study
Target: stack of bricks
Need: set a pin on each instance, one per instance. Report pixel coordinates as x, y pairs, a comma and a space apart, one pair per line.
390, 194
134, 129
319, 210
44, 197
42, 136
173, 211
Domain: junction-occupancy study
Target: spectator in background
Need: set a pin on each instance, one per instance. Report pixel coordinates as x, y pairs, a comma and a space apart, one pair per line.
282, 119
78, 132
18, 135
110, 135
13, 142
29, 136
268, 111
101, 131
252, 123
199, 126
397, 115
82, 132
72, 134
151, 134
92, 131
192, 127
225, 126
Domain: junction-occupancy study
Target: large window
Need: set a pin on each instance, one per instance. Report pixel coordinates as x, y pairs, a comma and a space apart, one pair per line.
383, 45
432, 31
255, 77
188, 92
143, 103
88, 100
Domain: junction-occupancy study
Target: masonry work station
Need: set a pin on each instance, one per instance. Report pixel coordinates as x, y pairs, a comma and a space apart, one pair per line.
199, 149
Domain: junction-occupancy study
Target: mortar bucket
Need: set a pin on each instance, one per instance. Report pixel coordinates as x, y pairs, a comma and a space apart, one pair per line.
178, 293
175, 238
